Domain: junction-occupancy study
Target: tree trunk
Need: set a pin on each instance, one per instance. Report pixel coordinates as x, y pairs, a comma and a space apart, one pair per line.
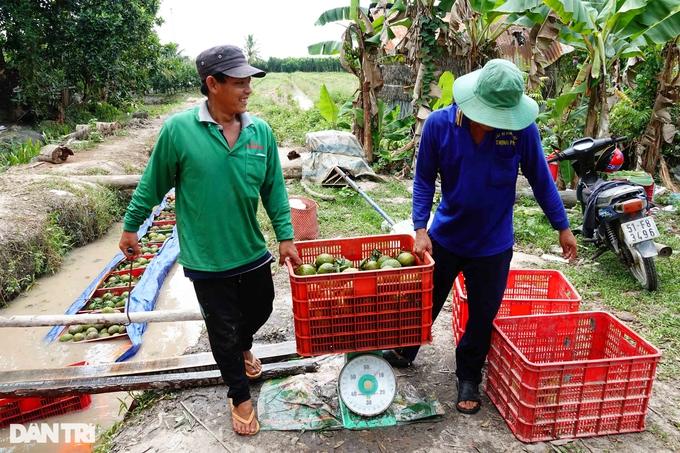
593, 110
368, 135
648, 149
56, 154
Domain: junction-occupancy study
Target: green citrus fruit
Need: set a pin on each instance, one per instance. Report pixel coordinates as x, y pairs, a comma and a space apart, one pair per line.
326, 268
406, 259
305, 269
323, 259
390, 263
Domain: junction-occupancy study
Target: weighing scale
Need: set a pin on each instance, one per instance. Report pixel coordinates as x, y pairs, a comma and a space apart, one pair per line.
366, 388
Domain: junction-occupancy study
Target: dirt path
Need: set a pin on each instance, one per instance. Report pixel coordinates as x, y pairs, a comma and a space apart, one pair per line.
166, 427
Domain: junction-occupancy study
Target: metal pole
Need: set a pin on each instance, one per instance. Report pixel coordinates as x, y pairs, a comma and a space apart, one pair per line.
366, 197
99, 318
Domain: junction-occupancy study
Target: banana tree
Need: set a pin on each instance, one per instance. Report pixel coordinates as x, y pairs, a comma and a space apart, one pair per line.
661, 129
606, 32
359, 50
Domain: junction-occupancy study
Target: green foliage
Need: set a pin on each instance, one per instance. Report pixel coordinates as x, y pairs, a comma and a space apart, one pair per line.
327, 107
58, 58
173, 72
250, 49
301, 64
429, 53
626, 119
20, 153
445, 84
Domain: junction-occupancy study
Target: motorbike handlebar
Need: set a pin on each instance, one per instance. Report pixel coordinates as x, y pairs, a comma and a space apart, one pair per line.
584, 146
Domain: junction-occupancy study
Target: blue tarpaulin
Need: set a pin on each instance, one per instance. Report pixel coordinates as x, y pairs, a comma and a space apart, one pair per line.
143, 295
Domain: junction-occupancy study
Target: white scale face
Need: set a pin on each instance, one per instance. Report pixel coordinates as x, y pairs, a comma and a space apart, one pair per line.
367, 385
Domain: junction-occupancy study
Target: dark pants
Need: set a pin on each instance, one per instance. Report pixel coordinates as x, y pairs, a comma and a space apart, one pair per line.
234, 308
485, 281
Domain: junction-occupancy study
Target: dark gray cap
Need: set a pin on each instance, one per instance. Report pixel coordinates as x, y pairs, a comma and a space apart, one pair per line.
228, 60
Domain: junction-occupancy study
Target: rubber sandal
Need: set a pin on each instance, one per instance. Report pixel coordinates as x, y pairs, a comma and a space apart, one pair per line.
253, 364
396, 360
247, 422
468, 391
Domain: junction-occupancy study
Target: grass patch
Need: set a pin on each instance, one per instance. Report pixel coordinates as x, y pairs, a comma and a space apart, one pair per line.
71, 220
272, 100
19, 153
611, 284
340, 85
349, 214
24, 259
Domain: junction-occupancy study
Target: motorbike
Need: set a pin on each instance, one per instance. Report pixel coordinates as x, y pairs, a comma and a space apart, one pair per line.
615, 213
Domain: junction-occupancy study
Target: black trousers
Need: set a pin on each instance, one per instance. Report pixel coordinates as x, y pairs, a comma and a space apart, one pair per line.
485, 281
234, 308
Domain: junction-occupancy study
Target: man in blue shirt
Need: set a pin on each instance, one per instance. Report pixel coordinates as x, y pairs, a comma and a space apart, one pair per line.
476, 147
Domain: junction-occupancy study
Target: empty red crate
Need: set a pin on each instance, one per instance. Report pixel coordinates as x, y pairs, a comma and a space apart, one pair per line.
366, 310
25, 409
569, 375
528, 292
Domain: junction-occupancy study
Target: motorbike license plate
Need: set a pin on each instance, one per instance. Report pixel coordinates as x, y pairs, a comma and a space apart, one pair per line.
639, 230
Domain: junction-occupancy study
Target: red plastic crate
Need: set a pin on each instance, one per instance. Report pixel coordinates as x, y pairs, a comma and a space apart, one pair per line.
366, 310
528, 292
26, 409
569, 375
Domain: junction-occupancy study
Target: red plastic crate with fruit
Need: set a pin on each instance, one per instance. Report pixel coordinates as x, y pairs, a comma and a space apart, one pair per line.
528, 292
369, 293
569, 375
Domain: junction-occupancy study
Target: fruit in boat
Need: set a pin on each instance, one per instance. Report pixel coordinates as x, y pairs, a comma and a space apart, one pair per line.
113, 329
92, 335
90, 330
66, 337
75, 329
78, 337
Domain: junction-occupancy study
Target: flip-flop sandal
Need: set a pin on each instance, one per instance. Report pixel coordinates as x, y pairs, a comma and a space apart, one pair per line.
468, 391
255, 363
247, 421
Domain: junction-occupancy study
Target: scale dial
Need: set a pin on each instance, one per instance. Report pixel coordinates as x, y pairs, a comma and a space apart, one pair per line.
367, 385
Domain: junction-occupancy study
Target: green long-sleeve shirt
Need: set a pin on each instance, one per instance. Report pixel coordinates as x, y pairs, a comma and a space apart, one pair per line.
217, 189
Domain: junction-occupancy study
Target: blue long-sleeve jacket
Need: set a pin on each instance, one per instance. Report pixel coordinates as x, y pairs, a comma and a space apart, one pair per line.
474, 218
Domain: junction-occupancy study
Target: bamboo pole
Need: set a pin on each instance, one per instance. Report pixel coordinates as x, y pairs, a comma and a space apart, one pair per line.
99, 318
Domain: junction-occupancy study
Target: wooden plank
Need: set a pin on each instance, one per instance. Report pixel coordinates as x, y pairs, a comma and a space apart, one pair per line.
171, 381
192, 362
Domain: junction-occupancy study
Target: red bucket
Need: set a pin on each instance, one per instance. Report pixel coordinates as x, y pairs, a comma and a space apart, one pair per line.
303, 216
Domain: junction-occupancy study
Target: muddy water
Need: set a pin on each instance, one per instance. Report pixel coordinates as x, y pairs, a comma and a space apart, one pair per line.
23, 348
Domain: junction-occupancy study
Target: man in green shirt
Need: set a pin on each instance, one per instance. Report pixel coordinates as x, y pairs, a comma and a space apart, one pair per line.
221, 162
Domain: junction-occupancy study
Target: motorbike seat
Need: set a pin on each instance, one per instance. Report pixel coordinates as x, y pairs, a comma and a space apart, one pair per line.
608, 196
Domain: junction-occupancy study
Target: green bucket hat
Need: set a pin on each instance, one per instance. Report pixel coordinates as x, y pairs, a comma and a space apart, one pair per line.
494, 96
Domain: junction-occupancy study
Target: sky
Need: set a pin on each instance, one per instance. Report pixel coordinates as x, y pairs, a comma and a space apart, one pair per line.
281, 28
